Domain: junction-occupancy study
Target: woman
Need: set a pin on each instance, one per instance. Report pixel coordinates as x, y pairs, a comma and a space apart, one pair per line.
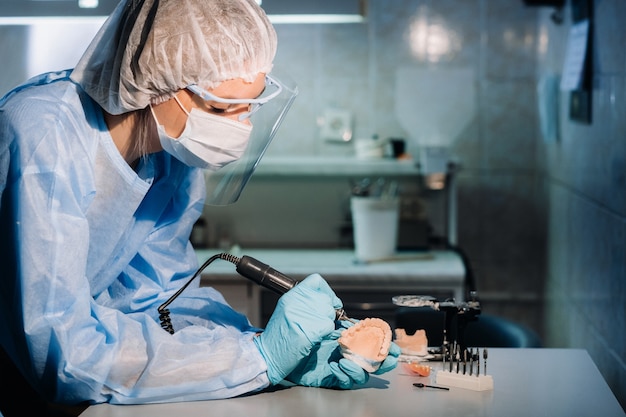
102, 177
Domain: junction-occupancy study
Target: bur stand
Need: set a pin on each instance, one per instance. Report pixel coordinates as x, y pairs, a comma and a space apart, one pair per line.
465, 381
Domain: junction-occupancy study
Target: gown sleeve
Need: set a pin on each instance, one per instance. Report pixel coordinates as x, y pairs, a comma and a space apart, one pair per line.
77, 339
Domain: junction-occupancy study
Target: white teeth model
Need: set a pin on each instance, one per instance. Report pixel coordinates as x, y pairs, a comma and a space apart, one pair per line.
366, 343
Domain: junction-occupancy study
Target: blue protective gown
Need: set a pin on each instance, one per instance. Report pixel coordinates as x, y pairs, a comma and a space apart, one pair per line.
90, 248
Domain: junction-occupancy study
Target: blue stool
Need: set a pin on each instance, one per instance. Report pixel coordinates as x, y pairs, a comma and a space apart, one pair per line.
492, 331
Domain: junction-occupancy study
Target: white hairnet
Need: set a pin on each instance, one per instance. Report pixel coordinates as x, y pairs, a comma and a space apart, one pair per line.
149, 49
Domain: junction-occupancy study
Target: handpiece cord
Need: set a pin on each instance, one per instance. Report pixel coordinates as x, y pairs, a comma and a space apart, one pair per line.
250, 268
164, 313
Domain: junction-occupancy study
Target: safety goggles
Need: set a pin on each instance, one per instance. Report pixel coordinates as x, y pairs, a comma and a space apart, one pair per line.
272, 89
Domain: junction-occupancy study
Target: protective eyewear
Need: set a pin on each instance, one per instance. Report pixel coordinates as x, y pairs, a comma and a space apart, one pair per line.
254, 103
225, 185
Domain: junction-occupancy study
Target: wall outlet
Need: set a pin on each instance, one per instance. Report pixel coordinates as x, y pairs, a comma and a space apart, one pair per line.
336, 125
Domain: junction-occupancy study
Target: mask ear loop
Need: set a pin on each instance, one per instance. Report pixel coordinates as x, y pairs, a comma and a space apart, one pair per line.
156, 119
181, 105
154, 115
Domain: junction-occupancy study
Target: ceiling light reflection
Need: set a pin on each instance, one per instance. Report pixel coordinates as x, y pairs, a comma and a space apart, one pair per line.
87, 4
433, 40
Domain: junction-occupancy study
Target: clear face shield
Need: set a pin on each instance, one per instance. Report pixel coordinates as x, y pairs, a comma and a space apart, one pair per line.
266, 113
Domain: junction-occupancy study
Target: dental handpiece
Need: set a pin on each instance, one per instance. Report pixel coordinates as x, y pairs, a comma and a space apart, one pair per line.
268, 277
247, 267
264, 275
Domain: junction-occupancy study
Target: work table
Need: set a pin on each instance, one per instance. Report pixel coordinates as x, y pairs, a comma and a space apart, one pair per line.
527, 382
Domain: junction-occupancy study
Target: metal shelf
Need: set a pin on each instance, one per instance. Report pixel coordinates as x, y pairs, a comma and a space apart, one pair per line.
334, 166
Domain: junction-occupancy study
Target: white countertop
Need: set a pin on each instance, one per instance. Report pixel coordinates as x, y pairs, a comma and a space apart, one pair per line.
527, 382
437, 268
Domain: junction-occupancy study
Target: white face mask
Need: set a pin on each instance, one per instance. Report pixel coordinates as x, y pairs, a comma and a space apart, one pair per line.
208, 141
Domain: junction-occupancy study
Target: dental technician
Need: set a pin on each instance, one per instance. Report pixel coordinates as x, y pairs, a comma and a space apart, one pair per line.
102, 175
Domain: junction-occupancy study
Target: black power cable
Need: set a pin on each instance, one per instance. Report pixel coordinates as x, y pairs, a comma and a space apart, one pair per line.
164, 312
250, 268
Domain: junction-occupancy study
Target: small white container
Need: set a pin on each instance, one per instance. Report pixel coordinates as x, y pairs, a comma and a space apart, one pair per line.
369, 148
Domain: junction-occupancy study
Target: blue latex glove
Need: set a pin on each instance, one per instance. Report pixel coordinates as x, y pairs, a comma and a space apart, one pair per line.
326, 367
391, 361
304, 316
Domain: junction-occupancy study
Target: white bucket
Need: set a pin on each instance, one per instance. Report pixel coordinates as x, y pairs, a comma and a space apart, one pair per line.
375, 224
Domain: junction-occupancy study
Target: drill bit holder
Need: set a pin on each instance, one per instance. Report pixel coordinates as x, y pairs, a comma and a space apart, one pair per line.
466, 381
460, 372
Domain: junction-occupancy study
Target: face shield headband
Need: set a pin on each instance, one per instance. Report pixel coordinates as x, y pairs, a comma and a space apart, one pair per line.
266, 114
273, 88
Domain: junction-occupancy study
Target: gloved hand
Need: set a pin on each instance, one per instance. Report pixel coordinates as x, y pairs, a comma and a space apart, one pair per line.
391, 361
326, 367
303, 317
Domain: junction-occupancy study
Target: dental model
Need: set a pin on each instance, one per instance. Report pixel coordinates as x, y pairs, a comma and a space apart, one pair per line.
366, 343
416, 344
